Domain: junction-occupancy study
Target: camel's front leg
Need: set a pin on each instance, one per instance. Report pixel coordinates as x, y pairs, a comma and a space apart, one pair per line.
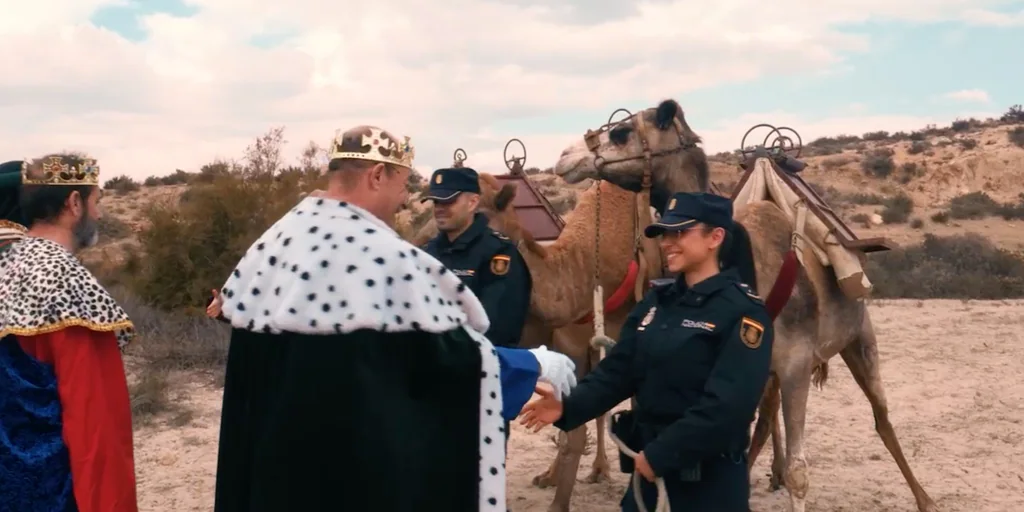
601, 470
550, 476
568, 463
861, 357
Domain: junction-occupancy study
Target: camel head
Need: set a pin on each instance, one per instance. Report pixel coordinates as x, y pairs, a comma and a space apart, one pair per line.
615, 153
497, 206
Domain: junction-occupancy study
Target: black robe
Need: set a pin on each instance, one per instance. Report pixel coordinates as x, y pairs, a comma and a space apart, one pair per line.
359, 421
356, 378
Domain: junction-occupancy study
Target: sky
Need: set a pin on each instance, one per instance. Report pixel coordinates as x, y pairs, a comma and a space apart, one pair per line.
151, 86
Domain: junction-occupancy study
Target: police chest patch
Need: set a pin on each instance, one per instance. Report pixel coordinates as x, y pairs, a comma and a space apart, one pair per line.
707, 326
751, 332
499, 264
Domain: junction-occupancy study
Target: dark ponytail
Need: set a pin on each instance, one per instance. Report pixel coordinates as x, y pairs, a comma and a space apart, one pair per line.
737, 252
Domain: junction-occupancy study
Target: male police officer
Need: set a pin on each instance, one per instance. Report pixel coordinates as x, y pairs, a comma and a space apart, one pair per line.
487, 261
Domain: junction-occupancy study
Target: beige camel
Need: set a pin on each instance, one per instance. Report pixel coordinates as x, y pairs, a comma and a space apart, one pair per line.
818, 322
563, 283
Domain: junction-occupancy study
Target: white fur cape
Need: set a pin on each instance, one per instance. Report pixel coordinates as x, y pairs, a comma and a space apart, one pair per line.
330, 267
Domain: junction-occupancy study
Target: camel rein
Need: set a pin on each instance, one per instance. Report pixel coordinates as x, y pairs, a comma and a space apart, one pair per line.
642, 215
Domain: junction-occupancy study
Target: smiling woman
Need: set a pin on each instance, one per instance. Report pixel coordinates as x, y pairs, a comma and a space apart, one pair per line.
709, 343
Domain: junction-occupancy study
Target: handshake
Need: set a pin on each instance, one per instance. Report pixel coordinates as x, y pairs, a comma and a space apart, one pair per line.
555, 369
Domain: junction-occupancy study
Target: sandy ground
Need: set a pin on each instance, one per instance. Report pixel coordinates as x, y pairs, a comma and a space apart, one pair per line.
953, 372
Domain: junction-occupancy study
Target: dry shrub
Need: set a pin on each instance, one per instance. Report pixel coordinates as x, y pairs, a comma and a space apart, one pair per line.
918, 146
965, 266
865, 198
837, 161
974, 205
897, 209
879, 163
111, 228
167, 343
1016, 136
121, 184
190, 247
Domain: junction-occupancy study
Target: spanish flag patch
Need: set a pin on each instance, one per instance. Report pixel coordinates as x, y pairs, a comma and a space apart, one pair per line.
499, 264
751, 332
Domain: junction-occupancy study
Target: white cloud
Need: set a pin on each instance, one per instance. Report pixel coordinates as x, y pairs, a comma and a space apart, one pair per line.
968, 96
989, 18
442, 72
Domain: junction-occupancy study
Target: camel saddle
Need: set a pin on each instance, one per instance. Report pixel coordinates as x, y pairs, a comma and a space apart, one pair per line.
773, 177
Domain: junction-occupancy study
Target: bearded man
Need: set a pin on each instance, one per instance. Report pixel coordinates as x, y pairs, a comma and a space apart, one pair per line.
357, 375
65, 418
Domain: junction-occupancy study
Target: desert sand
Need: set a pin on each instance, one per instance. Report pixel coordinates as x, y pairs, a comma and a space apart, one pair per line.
954, 376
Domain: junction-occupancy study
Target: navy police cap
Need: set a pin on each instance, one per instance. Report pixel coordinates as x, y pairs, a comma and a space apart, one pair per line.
447, 184
686, 209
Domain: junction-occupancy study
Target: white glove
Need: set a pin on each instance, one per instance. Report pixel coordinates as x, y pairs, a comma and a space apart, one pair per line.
556, 369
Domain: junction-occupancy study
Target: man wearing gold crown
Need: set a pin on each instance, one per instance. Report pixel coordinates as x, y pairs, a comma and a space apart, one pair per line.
65, 418
357, 376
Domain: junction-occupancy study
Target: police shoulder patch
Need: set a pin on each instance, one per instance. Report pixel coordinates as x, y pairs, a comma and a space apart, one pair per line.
500, 264
751, 332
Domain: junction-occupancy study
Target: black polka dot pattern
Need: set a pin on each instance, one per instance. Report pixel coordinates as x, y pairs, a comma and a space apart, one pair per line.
43, 286
368, 278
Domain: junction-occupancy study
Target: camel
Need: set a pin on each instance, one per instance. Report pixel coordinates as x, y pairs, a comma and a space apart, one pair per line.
563, 283
818, 322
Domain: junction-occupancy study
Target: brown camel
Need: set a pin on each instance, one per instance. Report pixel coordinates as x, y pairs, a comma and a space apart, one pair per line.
563, 283
818, 322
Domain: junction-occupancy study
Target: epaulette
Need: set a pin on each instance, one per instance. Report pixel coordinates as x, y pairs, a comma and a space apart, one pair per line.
500, 235
661, 283
749, 293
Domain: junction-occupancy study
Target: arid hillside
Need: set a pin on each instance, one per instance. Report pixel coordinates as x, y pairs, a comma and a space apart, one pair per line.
968, 177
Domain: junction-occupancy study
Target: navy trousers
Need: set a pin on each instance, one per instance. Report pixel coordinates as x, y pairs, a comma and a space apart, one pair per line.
724, 487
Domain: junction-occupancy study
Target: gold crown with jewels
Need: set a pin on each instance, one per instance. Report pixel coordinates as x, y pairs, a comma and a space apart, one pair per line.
61, 170
372, 143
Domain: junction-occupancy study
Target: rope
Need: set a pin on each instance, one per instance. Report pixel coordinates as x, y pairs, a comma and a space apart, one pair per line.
600, 340
662, 504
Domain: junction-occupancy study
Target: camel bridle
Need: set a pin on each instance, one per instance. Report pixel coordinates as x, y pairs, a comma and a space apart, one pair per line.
593, 141
641, 219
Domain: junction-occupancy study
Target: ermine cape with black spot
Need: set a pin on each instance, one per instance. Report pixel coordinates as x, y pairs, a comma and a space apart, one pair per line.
44, 288
341, 328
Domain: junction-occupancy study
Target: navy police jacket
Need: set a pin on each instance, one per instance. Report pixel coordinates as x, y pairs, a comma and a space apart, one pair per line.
491, 266
697, 360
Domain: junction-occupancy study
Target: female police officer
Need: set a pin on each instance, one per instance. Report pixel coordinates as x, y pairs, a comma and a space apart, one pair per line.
696, 354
